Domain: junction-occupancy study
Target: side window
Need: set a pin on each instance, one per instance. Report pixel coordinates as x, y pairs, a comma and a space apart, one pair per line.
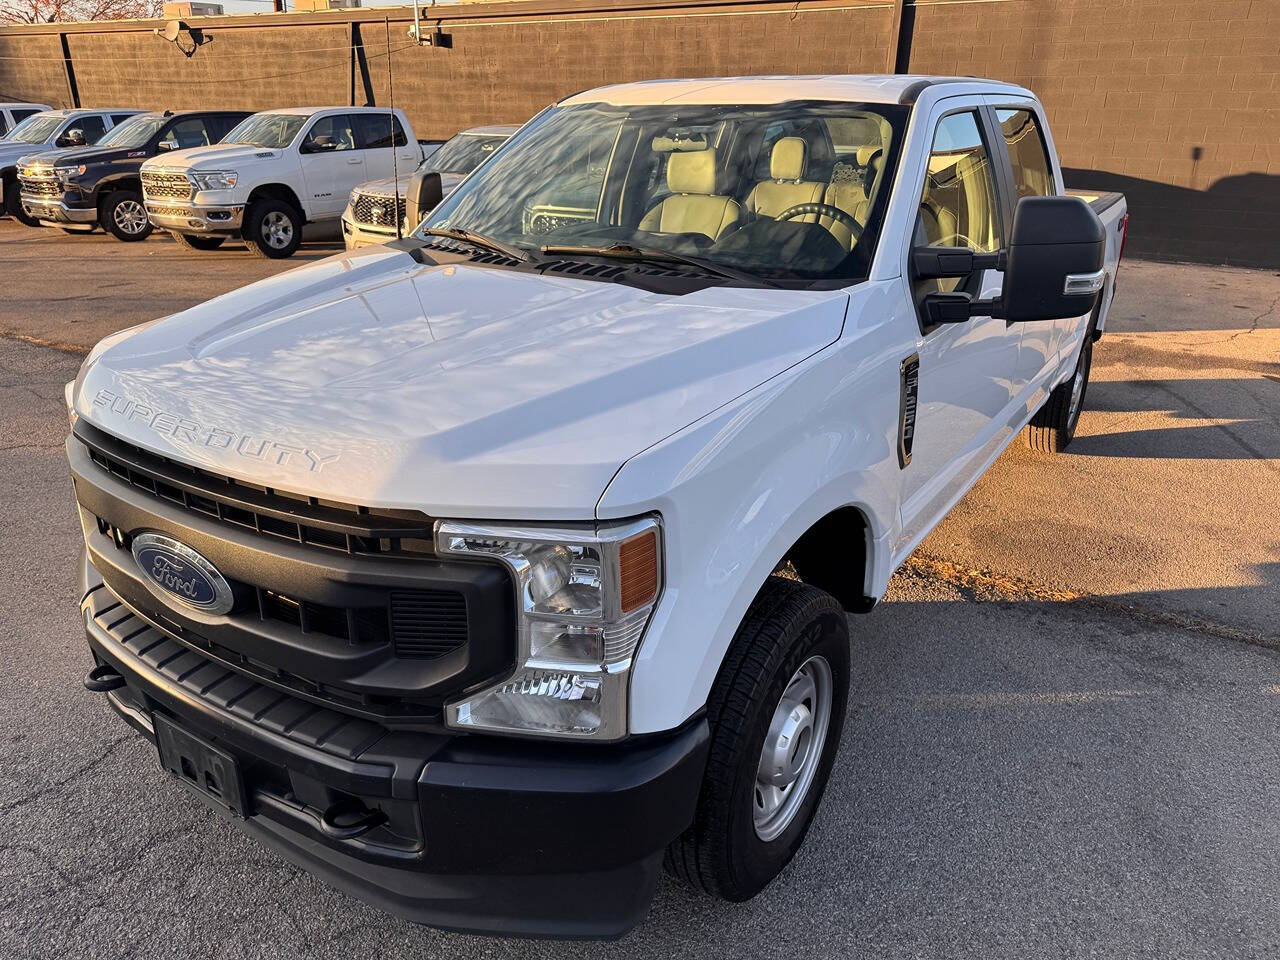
375, 130
119, 118
192, 132
1032, 174
958, 207
92, 126
4, 127
20, 115
331, 134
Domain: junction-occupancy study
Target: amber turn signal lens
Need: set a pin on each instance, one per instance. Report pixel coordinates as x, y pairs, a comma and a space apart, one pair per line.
638, 571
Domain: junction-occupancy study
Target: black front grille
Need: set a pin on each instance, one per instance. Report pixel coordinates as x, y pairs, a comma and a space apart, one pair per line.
346, 528
428, 623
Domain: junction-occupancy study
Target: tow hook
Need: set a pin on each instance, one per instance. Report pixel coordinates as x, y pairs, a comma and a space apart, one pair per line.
103, 679
348, 819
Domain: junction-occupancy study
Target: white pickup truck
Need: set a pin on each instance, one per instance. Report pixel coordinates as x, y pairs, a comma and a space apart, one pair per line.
481, 571
275, 172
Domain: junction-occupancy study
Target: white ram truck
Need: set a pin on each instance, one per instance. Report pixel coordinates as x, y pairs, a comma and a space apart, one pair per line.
274, 173
481, 571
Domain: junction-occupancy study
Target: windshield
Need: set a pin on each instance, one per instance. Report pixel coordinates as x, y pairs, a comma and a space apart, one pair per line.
134, 132
273, 131
785, 192
35, 129
462, 154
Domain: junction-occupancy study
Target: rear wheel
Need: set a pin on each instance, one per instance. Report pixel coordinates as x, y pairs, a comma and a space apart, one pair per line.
124, 216
776, 713
13, 204
194, 241
272, 229
1054, 425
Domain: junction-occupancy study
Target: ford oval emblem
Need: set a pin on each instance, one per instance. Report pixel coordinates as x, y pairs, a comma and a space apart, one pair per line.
174, 571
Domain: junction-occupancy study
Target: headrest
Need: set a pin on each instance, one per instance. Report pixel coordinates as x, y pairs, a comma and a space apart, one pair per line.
866, 153
692, 172
788, 159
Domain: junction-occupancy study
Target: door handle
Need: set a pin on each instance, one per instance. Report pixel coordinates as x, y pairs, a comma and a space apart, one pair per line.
354, 160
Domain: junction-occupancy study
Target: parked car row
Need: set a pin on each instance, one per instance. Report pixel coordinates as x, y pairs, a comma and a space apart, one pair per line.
208, 176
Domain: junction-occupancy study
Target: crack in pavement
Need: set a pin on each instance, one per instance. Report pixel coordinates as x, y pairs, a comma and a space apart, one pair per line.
80, 771
973, 584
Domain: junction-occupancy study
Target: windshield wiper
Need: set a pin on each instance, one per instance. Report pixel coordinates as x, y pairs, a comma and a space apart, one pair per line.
478, 240
625, 251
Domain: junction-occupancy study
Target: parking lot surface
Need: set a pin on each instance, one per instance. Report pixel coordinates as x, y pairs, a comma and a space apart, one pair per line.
1063, 732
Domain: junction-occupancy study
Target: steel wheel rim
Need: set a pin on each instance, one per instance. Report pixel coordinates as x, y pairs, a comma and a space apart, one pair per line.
792, 748
130, 216
277, 230
1077, 385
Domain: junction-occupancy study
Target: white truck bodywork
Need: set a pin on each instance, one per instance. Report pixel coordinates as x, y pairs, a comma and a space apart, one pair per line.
316, 183
742, 417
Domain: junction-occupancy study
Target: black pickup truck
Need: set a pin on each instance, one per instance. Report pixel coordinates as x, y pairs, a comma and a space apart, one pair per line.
98, 185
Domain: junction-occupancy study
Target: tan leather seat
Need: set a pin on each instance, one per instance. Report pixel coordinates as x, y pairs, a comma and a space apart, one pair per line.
787, 185
694, 206
852, 193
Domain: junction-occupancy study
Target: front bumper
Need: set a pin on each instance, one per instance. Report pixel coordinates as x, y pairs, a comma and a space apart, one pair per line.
356, 234
479, 834
186, 217
56, 211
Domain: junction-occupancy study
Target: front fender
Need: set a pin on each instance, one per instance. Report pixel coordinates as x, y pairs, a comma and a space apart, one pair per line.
740, 486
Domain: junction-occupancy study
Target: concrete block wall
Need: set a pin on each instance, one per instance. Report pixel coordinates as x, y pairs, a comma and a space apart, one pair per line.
1174, 102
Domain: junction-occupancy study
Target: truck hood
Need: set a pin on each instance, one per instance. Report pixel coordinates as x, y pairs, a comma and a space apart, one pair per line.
10, 152
460, 390
212, 157
386, 187
87, 155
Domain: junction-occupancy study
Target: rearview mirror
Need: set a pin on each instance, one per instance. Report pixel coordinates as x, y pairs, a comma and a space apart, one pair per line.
422, 195
1052, 266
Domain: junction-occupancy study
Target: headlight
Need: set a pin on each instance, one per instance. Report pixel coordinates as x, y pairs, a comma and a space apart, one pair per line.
584, 597
214, 179
66, 173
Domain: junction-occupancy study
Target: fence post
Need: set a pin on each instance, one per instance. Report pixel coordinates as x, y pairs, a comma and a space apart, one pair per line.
73, 92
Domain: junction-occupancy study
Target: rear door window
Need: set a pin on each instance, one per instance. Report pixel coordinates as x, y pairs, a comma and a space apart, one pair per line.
375, 130
1032, 172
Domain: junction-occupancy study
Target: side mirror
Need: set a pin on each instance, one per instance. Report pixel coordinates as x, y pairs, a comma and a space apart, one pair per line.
1055, 260
164, 146
72, 138
422, 195
320, 144
1052, 266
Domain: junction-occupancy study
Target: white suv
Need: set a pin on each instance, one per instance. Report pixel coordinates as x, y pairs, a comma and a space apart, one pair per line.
273, 173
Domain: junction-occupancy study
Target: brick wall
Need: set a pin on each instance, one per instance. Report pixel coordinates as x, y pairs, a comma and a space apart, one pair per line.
1173, 102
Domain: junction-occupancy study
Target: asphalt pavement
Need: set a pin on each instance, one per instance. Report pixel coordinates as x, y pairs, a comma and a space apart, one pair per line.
1063, 734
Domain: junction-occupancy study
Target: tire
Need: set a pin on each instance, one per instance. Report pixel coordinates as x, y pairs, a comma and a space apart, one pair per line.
735, 846
13, 205
272, 229
124, 216
1054, 425
192, 241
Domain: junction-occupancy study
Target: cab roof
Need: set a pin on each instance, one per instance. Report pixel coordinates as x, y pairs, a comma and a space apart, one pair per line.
855, 88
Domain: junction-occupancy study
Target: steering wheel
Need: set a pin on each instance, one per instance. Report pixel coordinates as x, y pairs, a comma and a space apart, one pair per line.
822, 210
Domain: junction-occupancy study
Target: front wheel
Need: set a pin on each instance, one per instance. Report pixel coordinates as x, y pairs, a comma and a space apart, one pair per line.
13, 205
194, 241
1054, 425
124, 216
272, 229
776, 712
